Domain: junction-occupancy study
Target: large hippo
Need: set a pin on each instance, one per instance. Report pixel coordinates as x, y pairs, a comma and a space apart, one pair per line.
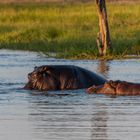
59, 77
116, 88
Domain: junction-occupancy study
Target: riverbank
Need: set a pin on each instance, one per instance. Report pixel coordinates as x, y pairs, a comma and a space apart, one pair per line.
69, 30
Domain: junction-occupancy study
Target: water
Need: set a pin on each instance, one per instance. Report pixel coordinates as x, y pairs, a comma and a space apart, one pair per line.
32, 115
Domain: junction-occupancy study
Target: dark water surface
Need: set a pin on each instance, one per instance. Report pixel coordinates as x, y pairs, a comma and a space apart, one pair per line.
65, 115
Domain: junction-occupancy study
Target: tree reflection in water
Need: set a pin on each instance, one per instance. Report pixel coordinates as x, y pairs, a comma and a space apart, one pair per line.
103, 68
99, 123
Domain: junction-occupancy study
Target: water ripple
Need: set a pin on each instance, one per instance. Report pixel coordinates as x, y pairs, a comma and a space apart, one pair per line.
65, 115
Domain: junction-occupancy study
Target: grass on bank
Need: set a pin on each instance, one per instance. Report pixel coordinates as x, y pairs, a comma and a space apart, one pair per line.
68, 29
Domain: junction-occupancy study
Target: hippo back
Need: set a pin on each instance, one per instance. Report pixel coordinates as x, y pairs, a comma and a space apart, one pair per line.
89, 78
74, 77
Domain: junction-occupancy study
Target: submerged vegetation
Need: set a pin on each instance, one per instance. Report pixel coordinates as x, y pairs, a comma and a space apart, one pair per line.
69, 30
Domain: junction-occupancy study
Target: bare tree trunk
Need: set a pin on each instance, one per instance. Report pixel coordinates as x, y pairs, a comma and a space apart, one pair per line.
103, 37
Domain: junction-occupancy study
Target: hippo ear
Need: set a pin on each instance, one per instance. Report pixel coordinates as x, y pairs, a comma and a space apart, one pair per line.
45, 69
42, 69
49, 70
35, 68
113, 84
110, 82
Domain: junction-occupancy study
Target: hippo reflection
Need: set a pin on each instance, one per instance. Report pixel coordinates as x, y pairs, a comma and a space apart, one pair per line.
59, 77
116, 88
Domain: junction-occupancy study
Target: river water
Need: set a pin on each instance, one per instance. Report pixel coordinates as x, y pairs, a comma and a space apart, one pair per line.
32, 115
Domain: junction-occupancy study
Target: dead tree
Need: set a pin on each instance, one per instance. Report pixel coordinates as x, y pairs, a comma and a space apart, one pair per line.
103, 36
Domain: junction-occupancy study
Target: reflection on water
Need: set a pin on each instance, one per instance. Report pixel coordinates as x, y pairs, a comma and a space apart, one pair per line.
65, 115
103, 68
99, 123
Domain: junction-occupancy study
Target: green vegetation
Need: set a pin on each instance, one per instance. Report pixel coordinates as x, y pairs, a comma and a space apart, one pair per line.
68, 29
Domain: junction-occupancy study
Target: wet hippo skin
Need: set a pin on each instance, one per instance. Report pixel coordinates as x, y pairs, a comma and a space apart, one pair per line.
60, 77
116, 88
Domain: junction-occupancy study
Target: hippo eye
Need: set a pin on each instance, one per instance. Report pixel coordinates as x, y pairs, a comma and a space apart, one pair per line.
44, 74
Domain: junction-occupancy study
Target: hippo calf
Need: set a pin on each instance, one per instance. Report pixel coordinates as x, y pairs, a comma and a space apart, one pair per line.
60, 77
116, 88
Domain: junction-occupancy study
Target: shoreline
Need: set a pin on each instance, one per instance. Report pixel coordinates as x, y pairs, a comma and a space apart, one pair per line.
56, 56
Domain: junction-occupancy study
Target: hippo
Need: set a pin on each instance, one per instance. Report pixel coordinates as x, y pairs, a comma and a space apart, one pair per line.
62, 77
116, 88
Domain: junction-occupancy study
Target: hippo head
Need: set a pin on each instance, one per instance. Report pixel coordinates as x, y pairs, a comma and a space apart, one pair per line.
42, 78
107, 88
